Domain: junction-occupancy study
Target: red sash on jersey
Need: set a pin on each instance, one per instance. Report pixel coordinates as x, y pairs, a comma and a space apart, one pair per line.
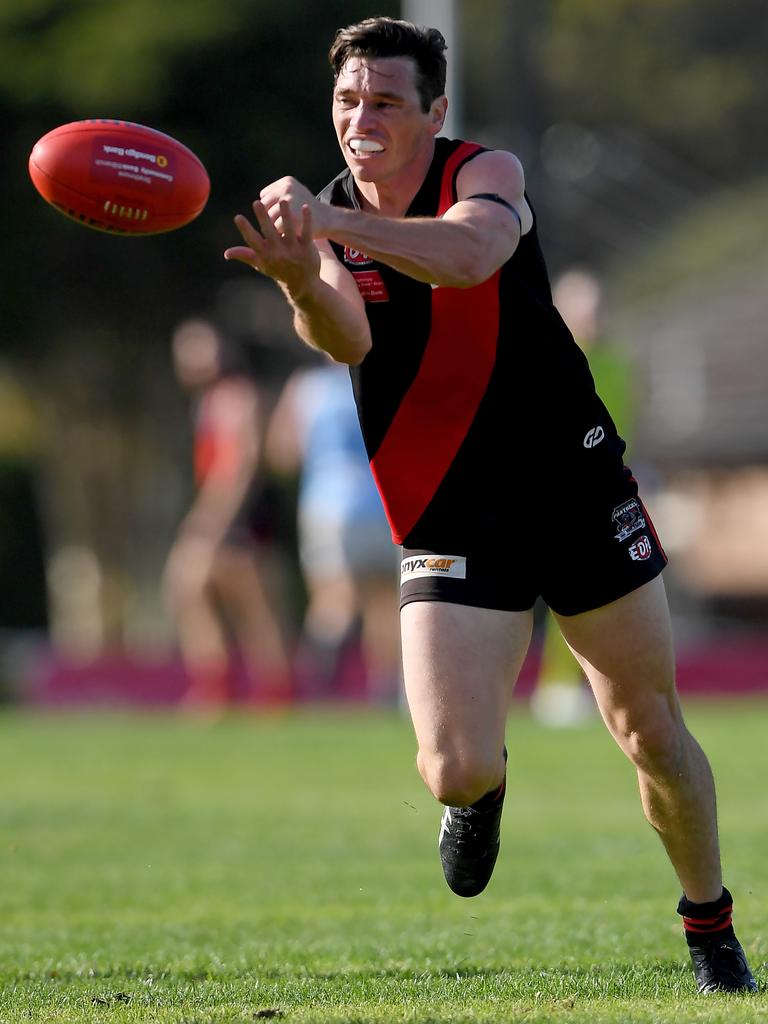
436, 412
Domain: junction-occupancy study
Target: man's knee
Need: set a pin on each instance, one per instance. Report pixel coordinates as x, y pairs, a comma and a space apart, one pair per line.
459, 780
654, 738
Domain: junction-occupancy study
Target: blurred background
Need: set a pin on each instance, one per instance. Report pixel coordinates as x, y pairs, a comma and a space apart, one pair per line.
641, 128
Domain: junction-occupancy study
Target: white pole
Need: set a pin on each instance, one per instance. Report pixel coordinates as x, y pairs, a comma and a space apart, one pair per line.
443, 15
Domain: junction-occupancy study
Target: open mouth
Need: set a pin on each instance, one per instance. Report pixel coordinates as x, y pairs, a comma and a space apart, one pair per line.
365, 146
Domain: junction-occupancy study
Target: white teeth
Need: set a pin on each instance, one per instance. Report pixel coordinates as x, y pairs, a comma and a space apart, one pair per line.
365, 145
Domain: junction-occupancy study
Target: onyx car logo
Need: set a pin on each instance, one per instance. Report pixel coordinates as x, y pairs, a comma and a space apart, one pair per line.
593, 437
415, 566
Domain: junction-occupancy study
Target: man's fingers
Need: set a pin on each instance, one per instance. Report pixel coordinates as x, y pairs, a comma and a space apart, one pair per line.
272, 207
263, 220
250, 233
244, 255
277, 240
287, 224
306, 223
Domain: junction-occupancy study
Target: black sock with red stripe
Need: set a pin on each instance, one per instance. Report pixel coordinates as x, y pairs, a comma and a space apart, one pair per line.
491, 799
494, 796
707, 922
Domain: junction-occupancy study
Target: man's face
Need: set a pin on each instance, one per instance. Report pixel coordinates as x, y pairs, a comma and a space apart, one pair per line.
378, 118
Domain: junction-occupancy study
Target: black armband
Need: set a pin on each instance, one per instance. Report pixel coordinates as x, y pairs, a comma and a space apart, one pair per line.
494, 197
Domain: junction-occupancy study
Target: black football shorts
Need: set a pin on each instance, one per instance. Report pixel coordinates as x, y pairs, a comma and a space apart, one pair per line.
577, 550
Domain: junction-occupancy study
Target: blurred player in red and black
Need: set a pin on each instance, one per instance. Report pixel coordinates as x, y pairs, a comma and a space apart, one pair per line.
499, 466
219, 576
559, 698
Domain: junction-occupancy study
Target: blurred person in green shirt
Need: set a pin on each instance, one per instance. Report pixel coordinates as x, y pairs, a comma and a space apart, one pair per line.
561, 698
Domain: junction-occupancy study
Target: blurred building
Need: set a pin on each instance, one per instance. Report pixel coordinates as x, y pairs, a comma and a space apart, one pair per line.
696, 326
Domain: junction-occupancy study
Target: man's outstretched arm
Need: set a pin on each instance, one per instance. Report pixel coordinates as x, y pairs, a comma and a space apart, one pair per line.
328, 312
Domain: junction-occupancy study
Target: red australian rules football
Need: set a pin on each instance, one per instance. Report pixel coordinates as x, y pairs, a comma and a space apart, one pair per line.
119, 177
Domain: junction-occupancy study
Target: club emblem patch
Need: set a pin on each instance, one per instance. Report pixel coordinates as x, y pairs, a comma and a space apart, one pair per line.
355, 256
628, 518
641, 549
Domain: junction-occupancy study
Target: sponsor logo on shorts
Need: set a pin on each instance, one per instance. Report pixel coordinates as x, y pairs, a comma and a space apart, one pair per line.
628, 518
414, 566
593, 437
641, 549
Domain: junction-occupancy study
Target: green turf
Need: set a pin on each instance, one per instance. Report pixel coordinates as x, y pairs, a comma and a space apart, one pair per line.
155, 869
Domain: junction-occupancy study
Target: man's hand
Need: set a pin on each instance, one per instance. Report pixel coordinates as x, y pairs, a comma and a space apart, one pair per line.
328, 312
280, 245
297, 196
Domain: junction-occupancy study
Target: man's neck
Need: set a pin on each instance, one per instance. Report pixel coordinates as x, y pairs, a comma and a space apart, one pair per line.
392, 198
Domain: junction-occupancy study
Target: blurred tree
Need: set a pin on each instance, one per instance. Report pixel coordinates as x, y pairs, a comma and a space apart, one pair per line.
80, 53
23, 604
624, 114
687, 72
222, 75
86, 317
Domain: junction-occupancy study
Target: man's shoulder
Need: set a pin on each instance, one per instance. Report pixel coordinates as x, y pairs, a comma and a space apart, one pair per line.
337, 192
446, 148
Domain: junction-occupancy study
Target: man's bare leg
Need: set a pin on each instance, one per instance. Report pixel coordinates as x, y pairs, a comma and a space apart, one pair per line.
460, 664
626, 651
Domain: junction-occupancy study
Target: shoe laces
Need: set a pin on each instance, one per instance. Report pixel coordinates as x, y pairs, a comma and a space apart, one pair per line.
467, 823
462, 827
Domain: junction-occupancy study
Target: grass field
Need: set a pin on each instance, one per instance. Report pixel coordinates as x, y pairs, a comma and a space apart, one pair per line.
155, 869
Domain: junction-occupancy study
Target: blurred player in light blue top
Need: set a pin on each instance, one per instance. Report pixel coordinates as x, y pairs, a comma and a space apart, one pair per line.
346, 552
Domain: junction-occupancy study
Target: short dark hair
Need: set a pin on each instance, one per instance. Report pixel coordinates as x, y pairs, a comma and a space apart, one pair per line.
388, 37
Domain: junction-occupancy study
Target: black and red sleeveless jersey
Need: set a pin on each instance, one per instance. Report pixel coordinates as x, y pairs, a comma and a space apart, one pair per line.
470, 396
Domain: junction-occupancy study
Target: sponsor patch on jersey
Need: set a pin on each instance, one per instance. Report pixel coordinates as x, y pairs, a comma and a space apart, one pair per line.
371, 285
641, 549
628, 519
355, 256
450, 566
